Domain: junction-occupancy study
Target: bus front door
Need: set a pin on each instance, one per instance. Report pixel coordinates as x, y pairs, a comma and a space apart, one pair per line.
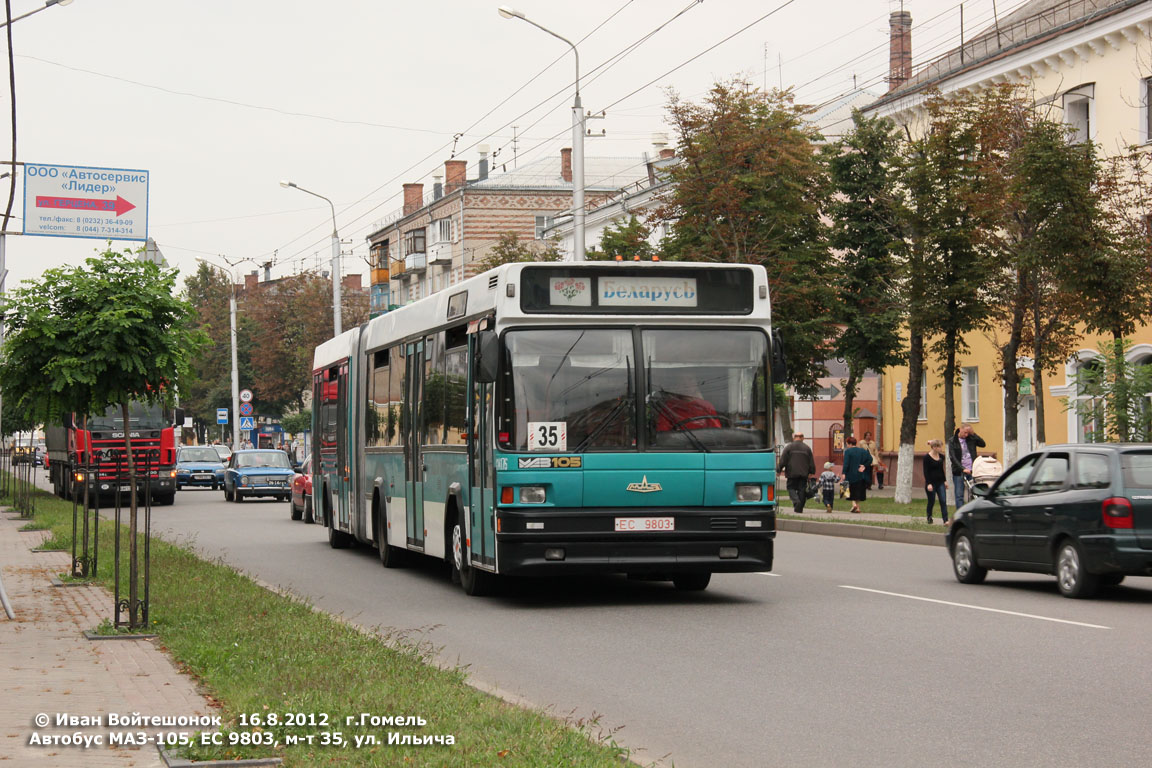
414, 460
340, 476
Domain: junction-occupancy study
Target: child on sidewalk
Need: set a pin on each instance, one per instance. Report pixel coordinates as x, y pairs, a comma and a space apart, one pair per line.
828, 482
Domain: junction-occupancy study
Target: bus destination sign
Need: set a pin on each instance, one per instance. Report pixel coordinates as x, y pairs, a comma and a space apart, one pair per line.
615, 290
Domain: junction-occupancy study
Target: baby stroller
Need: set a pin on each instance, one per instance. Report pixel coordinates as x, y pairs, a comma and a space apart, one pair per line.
985, 470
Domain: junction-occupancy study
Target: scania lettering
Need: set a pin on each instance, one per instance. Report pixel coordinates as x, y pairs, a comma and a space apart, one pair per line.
543, 419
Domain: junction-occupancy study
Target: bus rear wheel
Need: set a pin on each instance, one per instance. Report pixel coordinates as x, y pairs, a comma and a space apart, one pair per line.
691, 582
336, 539
390, 556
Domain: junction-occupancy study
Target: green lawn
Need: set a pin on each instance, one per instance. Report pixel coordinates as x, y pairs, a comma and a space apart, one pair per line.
260, 653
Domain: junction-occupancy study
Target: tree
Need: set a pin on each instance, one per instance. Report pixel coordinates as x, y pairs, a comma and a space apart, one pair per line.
868, 222
952, 198
509, 250
750, 189
1047, 222
1113, 397
295, 423
109, 333
624, 240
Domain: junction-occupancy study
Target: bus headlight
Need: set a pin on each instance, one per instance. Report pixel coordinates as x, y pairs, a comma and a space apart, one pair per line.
532, 494
748, 492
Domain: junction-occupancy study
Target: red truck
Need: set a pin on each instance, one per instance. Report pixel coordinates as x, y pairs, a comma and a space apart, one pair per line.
71, 447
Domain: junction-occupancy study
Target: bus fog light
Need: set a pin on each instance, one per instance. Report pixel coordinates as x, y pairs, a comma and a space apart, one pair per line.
748, 492
752, 523
532, 494
535, 526
554, 554
729, 553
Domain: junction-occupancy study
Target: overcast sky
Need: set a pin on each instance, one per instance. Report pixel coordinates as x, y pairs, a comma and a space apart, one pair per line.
219, 100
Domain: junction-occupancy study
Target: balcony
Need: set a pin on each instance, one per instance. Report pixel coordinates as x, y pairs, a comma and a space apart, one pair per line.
415, 262
440, 253
395, 268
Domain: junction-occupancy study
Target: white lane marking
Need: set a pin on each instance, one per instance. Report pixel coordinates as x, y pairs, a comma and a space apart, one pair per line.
765, 573
975, 607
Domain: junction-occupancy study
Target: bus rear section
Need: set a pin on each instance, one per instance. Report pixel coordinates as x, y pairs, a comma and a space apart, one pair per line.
638, 449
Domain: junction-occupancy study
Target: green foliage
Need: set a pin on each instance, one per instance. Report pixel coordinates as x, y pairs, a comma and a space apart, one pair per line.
624, 239
868, 221
750, 189
294, 423
1113, 396
509, 250
84, 338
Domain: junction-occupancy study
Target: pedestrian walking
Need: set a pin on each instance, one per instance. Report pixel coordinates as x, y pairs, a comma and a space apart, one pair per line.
935, 480
828, 482
857, 462
961, 453
798, 464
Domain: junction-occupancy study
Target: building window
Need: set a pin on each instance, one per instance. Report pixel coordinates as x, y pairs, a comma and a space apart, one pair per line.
414, 241
542, 223
442, 231
923, 415
380, 255
970, 395
1078, 112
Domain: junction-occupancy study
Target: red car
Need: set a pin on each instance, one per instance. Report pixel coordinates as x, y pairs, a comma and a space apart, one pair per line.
301, 498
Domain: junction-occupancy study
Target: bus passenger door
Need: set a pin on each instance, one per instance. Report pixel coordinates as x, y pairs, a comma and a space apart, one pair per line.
340, 475
413, 460
480, 496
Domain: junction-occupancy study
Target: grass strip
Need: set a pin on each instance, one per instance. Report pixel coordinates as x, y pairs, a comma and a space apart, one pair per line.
260, 654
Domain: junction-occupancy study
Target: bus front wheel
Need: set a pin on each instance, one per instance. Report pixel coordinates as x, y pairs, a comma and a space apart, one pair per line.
476, 583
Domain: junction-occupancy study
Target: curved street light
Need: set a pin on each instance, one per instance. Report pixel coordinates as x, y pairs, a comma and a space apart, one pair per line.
46, 5
336, 313
577, 139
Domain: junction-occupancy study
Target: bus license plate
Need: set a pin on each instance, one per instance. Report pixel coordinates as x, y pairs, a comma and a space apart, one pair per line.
630, 524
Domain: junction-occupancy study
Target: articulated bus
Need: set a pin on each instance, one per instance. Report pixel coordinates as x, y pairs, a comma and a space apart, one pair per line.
558, 418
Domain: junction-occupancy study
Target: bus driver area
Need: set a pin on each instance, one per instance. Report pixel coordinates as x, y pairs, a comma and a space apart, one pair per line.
540, 419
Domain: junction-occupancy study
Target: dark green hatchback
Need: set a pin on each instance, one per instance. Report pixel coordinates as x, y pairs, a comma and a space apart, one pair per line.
1081, 512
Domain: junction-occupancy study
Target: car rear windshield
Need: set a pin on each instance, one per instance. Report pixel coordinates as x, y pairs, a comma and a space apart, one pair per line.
1137, 469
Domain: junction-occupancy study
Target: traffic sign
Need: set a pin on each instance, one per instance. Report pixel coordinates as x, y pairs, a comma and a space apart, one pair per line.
245, 395
221, 415
82, 201
247, 422
245, 409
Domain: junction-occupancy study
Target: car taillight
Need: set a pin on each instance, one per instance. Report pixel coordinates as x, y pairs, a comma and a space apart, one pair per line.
1116, 512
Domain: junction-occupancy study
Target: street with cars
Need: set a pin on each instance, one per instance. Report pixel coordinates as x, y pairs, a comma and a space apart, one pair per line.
851, 652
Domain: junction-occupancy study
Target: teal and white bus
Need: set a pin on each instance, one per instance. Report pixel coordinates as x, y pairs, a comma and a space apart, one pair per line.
558, 418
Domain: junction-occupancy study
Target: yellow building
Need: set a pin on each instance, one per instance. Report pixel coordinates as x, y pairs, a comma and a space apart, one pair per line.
1090, 61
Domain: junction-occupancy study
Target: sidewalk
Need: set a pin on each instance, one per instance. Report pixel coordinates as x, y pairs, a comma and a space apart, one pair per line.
49, 667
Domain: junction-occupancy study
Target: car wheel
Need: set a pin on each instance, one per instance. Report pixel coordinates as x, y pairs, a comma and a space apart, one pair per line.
214, 486
227, 494
691, 582
1071, 577
1111, 579
236, 496
296, 512
964, 564
308, 518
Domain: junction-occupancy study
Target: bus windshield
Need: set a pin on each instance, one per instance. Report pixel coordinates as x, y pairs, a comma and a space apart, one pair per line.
581, 389
141, 415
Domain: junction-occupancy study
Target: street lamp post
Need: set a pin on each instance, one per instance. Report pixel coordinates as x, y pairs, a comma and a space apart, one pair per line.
235, 366
336, 323
577, 140
47, 4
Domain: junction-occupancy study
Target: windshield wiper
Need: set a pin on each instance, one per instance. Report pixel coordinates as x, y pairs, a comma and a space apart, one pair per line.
610, 418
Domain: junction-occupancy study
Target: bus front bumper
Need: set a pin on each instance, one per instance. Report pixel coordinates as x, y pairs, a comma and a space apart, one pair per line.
692, 547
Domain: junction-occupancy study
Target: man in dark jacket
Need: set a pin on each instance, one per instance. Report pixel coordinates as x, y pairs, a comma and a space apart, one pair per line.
961, 453
798, 464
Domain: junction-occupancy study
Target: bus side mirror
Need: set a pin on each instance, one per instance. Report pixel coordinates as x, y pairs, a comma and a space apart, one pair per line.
487, 357
779, 362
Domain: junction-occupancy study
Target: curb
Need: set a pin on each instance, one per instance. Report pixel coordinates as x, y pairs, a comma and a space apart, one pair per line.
56, 582
179, 762
89, 634
854, 531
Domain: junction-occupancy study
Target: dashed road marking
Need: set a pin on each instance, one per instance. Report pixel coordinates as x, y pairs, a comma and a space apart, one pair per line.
975, 607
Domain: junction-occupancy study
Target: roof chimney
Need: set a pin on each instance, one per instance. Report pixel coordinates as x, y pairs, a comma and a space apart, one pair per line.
566, 163
454, 173
267, 271
899, 49
251, 280
413, 198
483, 172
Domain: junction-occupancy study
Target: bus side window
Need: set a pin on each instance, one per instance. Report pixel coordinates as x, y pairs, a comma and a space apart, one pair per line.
455, 384
397, 422
433, 392
376, 412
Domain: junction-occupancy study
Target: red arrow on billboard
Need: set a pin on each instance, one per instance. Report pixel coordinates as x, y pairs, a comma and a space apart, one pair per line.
120, 205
